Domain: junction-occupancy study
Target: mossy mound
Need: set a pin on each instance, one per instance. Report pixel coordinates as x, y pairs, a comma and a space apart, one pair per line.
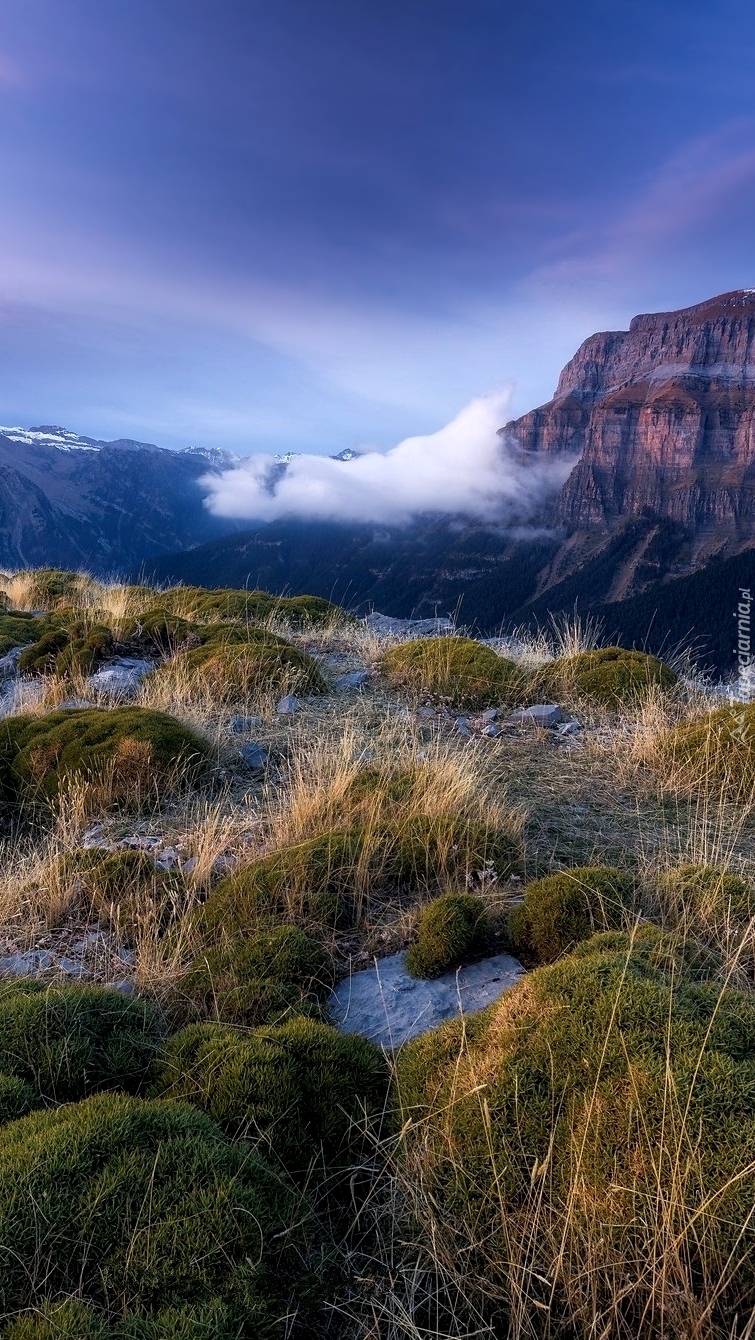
610, 675
255, 606
241, 973
134, 748
718, 749
76, 1321
16, 1098
261, 976
562, 909
451, 930
47, 588
146, 1206
69, 1041
702, 895
159, 632
122, 888
302, 1087
614, 1099
261, 663
456, 670
77, 648
323, 877
19, 629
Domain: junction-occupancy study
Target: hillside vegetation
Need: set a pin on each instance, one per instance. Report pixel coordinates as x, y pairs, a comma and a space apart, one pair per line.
217, 804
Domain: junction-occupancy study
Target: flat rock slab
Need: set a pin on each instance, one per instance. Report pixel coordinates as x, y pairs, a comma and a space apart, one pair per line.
544, 715
388, 1006
386, 624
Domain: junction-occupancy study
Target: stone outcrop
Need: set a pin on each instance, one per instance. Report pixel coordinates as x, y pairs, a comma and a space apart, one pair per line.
663, 416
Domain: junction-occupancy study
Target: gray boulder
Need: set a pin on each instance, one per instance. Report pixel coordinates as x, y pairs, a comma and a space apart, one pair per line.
545, 715
388, 1006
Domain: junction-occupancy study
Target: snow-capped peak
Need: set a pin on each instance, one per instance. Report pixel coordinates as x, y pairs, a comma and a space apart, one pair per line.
51, 435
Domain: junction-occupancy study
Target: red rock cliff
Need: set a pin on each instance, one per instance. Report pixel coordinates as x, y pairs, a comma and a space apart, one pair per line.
664, 418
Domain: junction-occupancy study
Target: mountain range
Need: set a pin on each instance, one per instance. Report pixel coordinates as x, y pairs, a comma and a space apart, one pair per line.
657, 514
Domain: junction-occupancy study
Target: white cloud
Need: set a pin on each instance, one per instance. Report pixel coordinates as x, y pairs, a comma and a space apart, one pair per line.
464, 468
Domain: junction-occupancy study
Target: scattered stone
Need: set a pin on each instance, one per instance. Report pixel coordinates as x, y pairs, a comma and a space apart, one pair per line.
492, 731
427, 713
389, 1007
167, 859
255, 756
88, 941
568, 728
127, 988
188, 866
287, 705
71, 968
120, 678
239, 725
462, 728
73, 704
353, 679
26, 965
126, 956
544, 715
489, 715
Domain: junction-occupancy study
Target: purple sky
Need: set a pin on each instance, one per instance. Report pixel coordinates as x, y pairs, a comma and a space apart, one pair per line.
312, 225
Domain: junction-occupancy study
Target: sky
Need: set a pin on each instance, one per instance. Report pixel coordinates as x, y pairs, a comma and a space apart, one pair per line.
312, 225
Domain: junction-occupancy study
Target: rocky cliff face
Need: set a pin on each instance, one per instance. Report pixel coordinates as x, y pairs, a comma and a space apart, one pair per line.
664, 418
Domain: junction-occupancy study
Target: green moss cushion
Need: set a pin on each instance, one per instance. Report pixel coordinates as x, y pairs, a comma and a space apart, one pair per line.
253, 606
303, 1086
719, 748
141, 747
596, 1083
16, 1098
322, 877
262, 974
562, 909
609, 675
455, 669
451, 930
69, 1041
137, 1207
258, 664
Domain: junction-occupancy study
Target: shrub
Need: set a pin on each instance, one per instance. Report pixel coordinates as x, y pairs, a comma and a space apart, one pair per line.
260, 975
260, 664
608, 675
132, 748
600, 1117
457, 669
146, 1207
702, 896
123, 887
562, 909
451, 930
719, 748
302, 1086
69, 1041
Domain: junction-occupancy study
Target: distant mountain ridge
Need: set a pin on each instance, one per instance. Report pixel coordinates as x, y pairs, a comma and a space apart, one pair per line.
76, 501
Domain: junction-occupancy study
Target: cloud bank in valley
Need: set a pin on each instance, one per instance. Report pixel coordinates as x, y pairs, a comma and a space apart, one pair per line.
464, 468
